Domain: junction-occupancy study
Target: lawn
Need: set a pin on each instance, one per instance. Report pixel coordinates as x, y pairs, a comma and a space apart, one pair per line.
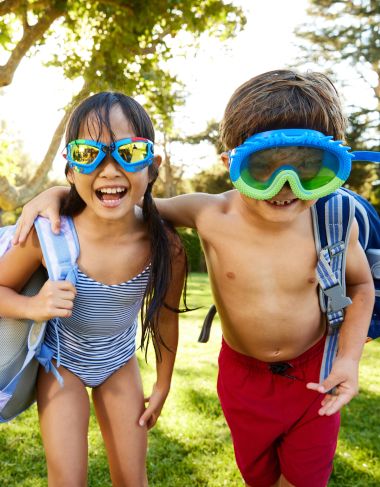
190, 446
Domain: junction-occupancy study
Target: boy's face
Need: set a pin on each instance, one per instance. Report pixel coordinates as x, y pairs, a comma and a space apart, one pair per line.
284, 207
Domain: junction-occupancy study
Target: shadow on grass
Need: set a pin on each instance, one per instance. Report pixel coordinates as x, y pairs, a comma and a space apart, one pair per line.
170, 462
204, 403
193, 372
360, 423
22, 457
357, 461
346, 475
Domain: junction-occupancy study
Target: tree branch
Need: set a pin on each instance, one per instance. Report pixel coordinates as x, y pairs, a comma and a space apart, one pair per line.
30, 37
7, 6
12, 197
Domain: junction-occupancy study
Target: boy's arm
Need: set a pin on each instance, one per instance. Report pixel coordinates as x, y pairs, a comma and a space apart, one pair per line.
168, 327
183, 210
46, 204
353, 333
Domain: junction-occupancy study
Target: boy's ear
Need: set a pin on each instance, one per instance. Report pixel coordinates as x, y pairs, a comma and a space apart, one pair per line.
226, 160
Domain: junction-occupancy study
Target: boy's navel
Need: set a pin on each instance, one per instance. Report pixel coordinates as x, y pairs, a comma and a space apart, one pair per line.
231, 275
312, 280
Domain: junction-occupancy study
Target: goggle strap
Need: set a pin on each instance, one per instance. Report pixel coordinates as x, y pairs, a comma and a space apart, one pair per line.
366, 156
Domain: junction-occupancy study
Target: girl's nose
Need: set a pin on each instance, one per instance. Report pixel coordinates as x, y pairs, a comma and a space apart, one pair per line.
109, 167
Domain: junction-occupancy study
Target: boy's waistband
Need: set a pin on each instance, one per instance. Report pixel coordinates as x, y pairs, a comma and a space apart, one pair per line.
309, 354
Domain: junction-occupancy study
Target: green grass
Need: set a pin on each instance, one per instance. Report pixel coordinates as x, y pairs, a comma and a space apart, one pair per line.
190, 445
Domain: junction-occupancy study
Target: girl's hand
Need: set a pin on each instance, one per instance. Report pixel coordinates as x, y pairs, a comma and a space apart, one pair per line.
155, 404
46, 204
55, 300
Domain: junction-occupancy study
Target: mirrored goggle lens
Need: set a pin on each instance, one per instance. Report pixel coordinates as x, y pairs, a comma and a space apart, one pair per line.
83, 153
314, 167
133, 151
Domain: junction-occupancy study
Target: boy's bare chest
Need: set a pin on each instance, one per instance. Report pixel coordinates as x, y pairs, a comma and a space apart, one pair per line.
254, 260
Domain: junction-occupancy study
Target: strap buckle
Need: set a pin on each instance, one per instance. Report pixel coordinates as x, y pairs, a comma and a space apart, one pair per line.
337, 298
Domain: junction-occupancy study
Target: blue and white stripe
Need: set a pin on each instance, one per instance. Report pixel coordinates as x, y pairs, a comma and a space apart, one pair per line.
100, 336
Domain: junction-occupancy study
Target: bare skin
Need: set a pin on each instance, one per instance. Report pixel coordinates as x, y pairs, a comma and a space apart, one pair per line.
261, 259
114, 247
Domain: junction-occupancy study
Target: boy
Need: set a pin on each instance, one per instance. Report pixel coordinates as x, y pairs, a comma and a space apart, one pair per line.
261, 260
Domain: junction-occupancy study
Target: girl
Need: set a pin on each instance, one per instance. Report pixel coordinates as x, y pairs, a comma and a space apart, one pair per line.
129, 261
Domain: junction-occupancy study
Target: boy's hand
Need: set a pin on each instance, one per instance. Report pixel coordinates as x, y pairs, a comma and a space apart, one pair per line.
55, 299
155, 404
46, 204
343, 379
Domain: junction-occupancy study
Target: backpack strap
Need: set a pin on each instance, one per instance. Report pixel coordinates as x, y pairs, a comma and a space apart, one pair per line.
332, 219
60, 252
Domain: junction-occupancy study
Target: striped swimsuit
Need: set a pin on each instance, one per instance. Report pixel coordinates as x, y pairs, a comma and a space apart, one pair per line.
99, 337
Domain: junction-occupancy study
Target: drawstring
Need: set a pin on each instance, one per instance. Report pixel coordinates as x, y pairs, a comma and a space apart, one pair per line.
279, 368
58, 345
45, 356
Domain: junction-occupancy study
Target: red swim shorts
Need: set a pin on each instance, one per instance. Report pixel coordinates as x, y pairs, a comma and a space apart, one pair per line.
274, 420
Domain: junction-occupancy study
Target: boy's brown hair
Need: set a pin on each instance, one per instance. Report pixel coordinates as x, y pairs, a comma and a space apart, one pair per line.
282, 99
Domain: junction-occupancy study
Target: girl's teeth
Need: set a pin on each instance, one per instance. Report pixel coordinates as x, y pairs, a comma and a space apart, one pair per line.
111, 190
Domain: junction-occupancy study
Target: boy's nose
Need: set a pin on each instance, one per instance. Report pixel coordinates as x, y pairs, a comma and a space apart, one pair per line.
286, 189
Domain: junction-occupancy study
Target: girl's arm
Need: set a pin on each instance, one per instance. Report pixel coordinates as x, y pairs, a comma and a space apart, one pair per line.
168, 327
46, 204
353, 333
17, 266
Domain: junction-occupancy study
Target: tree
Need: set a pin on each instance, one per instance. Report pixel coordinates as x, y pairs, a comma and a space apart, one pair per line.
110, 44
214, 180
348, 33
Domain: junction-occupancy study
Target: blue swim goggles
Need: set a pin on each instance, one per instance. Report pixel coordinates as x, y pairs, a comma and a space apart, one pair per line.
133, 154
312, 163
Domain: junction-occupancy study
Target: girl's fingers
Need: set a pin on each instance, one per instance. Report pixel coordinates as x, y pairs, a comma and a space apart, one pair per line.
23, 228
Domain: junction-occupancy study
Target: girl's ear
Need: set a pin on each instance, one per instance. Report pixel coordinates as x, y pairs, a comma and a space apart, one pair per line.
157, 160
70, 176
153, 169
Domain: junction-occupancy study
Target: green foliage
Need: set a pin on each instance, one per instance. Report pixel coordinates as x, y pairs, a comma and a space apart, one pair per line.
194, 252
210, 134
212, 180
191, 444
14, 163
348, 32
120, 45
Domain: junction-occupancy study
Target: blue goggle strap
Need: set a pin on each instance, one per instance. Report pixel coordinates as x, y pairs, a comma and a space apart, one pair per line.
370, 156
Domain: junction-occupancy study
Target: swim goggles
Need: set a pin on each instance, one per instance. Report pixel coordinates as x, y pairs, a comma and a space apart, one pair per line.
312, 163
133, 154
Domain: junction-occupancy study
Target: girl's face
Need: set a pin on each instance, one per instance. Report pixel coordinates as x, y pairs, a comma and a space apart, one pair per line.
109, 191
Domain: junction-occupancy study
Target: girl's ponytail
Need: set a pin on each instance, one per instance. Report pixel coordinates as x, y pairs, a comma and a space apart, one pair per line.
160, 273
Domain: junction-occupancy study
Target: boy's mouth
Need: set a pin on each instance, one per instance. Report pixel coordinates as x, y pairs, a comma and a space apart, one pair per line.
111, 195
282, 202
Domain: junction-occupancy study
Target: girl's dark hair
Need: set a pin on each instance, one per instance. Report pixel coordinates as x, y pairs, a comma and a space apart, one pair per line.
163, 238
282, 99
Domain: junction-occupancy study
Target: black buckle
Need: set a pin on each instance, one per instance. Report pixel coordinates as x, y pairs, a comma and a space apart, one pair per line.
279, 368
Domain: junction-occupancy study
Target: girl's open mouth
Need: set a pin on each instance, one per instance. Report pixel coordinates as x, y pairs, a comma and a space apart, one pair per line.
111, 196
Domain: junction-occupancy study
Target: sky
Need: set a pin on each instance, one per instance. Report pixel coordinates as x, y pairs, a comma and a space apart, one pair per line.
32, 104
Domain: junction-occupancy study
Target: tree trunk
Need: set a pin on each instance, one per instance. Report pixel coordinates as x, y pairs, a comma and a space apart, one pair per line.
12, 197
